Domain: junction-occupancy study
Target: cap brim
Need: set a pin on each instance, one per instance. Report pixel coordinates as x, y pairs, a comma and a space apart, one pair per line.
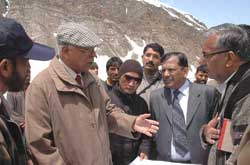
40, 52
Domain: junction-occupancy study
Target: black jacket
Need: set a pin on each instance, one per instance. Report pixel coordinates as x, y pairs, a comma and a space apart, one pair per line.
123, 149
12, 148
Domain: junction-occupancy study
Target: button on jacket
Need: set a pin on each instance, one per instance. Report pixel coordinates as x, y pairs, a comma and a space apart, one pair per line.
68, 124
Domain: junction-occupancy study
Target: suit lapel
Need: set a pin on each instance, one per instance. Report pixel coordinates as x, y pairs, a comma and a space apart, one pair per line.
166, 105
193, 102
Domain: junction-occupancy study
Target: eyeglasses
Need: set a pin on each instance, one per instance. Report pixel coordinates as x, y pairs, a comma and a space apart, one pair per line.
207, 55
130, 78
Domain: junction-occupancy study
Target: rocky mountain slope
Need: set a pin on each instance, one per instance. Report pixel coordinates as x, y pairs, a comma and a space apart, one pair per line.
120, 23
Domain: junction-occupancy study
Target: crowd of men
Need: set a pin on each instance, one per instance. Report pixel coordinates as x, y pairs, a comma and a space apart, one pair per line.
67, 115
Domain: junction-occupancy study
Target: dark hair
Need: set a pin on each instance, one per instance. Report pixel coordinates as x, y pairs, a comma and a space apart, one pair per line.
183, 61
113, 61
202, 68
231, 37
93, 65
156, 47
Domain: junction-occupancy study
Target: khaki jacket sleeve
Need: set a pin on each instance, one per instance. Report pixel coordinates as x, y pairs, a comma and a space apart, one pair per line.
118, 121
38, 129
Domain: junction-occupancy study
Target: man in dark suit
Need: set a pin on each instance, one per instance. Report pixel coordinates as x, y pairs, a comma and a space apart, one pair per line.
182, 108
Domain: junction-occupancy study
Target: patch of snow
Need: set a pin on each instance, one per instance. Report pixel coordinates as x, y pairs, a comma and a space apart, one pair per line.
172, 14
101, 60
191, 18
166, 7
136, 49
37, 67
191, 73
7, 8
188, 23
197, 58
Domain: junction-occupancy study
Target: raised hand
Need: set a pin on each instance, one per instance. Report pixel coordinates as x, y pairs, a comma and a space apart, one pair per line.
146, 126
210, 132
143, 156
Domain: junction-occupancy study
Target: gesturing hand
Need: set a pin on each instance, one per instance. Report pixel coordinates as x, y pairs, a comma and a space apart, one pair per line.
143, 156
211, 133
146, 126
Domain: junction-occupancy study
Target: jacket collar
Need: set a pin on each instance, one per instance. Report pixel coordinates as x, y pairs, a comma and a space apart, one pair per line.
122, 94
193, 102
240, 73
64, 81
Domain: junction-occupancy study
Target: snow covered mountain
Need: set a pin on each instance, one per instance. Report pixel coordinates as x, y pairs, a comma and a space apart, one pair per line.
126, 26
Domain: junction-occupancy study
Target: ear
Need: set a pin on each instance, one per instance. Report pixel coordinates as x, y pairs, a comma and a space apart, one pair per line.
185, 70
65, 51
6, 68
231, 59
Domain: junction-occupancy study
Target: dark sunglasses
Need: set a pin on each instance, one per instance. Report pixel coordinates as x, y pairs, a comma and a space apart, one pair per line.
130, 78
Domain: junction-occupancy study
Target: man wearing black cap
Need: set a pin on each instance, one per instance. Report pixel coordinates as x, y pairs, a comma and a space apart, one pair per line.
68, 113
16, 48
124, 150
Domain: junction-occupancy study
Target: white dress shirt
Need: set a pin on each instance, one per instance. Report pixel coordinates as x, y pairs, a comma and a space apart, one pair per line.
183, 100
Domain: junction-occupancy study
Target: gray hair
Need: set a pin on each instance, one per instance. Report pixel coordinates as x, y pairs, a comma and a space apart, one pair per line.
59, 49
233, 38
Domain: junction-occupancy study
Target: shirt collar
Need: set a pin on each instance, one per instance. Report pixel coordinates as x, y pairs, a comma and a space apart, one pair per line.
71, 72
184, 88
221, 87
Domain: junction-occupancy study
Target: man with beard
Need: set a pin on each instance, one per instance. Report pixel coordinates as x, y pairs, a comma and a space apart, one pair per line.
16, 48
151, 79
112, 69
16, 101
201, 74
181, 107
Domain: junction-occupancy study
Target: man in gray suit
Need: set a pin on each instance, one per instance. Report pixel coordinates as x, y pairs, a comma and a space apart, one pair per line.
182, 108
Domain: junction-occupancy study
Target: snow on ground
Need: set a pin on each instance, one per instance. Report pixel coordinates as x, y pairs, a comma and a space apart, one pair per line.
101, 60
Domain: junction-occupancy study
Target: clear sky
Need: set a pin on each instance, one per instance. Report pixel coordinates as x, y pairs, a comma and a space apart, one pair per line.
214, 12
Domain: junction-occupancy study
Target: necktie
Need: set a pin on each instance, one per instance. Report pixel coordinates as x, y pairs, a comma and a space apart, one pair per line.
179, 127
78, 79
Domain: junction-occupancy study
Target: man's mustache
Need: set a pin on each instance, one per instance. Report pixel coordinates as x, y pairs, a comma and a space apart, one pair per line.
203, 82
150, 63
